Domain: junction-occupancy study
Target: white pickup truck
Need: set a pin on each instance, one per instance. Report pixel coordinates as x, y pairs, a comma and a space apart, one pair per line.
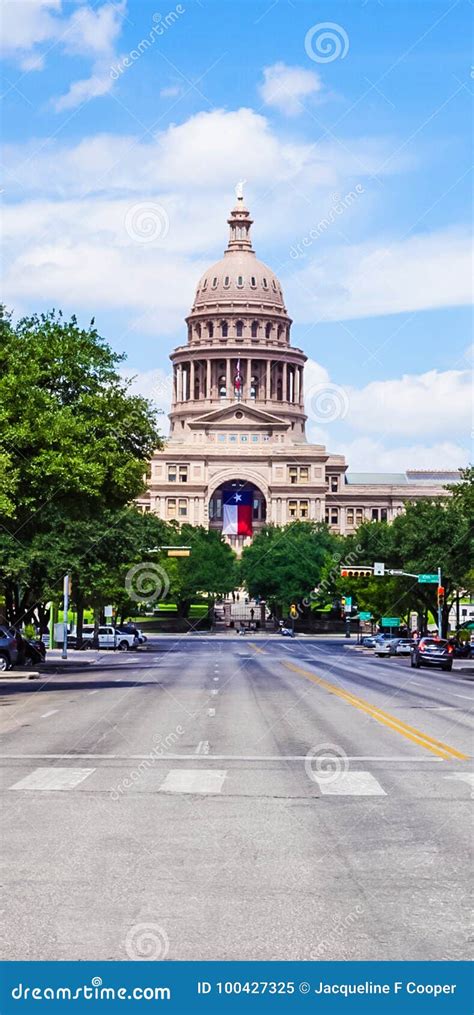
109, 638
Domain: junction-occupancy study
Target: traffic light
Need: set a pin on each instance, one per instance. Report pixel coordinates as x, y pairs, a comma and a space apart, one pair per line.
293, 611
356, 572
440, 595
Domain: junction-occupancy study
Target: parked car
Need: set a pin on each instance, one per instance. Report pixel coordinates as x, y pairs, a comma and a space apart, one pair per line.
404, 647
386, 647
109, 637
34, 650
432, 652
131, 629
368, 641
10, 648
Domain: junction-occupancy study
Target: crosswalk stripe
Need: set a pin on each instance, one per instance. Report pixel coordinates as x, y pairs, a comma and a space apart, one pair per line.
350, 784
52, 778
193, 780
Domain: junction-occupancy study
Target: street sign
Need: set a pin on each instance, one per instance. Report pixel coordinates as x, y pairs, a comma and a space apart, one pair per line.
379, 568
348, 604
390, 621
179, 552
365, 616
432, 579
108, 612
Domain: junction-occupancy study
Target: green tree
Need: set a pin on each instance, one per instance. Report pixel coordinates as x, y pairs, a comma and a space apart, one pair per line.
73, 439
210, 569
283, 565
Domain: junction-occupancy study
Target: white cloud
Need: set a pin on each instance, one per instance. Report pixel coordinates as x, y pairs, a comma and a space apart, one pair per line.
367, 455
389, 276
171, 91
284, 87
89, 31
157, 385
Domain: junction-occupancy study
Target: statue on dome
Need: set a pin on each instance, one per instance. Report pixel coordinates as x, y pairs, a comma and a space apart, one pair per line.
239, 190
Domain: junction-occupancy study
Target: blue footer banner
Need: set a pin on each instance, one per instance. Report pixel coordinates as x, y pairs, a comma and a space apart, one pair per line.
356, 987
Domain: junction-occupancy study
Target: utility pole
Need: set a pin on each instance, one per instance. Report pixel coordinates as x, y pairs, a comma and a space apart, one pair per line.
440, 604
65, 613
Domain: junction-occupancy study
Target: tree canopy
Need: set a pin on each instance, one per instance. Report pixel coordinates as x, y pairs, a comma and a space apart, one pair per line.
283, 565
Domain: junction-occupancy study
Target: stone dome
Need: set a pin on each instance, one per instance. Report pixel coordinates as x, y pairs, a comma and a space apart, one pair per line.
239, 278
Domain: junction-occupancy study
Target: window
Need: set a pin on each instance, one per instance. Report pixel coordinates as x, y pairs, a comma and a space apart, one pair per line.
334, 516
350, 516
293, 473
334, 483
204, 284
182, 507
274, 284
304, 473
254, 329
214, 282
298, 509
222, 386
239, 329
224, 329
375, 514
198, 330
253, 282
171, 507
226, 282
383, 514
177, 473
359, 516
264, 283
268, 330
210, 329
240, 281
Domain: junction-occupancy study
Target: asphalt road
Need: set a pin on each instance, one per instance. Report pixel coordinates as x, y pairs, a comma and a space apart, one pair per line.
237, 799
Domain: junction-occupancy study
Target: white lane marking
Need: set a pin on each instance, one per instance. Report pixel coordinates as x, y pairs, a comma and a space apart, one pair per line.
193, 780
215, 678
350, 784
202, 747
467, 697
46, 714
211, 711
214, 691
94, 692
53, 778
463, 776
217, 757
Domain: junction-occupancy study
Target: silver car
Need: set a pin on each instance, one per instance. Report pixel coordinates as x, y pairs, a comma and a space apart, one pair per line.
387, 647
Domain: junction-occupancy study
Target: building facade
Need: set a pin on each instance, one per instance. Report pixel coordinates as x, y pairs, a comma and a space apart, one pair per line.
237, 420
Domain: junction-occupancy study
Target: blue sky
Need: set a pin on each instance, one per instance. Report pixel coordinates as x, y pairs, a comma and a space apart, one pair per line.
126, 127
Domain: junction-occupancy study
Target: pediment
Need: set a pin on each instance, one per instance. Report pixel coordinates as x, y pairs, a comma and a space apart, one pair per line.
239, 416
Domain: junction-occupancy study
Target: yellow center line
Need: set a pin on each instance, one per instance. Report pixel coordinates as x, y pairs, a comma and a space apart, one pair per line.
391, 721
257, 648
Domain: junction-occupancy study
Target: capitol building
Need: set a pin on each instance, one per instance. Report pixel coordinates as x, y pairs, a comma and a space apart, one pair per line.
237, 420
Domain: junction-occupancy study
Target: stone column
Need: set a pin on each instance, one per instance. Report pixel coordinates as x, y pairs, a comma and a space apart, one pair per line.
228, 379
285, 382
175, 384
268, 382
249, 374
191, 379
179, 383
297, 386
300, 371
208, 380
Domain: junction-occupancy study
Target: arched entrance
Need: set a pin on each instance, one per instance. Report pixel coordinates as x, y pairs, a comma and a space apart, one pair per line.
238, 509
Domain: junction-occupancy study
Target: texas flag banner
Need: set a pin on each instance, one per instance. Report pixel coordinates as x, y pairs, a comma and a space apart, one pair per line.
237, 513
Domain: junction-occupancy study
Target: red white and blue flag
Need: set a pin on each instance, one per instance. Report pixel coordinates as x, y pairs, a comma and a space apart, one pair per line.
238, 380
237, 512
